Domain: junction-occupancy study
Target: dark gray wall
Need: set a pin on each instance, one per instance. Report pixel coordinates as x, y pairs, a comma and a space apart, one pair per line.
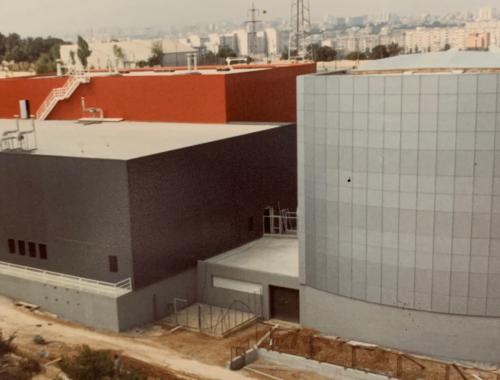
77, 207
209, 294
194, 203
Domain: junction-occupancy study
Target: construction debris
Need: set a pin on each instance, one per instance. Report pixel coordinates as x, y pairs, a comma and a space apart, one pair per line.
370, 358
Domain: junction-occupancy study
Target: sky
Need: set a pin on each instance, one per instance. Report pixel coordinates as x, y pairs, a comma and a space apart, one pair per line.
57, 17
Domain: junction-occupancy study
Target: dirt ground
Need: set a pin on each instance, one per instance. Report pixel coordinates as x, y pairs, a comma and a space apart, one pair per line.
157, 351
310, 344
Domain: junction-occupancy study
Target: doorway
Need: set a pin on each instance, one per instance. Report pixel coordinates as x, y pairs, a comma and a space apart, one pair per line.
285, 304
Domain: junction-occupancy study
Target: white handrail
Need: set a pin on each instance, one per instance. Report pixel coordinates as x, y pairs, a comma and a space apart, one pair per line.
60, 93
66, 280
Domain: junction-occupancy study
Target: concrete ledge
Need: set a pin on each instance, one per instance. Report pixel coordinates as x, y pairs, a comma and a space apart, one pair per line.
324, 369
444, 336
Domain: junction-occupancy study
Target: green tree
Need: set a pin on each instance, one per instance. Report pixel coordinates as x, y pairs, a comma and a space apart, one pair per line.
319, 53
45, 64
83, 51
446, 47
379, 52
356, 56
119, 53
156, 58
226, 52
393, 49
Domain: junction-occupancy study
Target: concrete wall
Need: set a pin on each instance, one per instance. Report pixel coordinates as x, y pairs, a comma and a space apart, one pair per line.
399, 187
195, 203
438, 334
155, 301
77, 207
86, 308
225, 297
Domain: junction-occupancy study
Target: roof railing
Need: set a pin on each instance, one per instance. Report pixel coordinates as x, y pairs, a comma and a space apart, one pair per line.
68, 281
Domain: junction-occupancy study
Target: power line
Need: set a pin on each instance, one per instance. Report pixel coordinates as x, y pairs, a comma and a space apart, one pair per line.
300, 25
252, 30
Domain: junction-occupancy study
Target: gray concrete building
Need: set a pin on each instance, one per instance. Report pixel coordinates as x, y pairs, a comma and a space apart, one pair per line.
104, 224
399, 204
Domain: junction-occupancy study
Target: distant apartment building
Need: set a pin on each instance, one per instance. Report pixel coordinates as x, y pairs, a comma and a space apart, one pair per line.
229, 40
104, 54
486, 13
364, 42
434, 39
477, 41
492, 27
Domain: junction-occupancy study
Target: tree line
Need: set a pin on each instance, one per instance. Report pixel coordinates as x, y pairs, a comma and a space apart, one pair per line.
319, 53
38, 53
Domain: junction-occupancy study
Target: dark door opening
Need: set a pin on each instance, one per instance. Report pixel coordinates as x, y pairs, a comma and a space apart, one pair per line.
285, 304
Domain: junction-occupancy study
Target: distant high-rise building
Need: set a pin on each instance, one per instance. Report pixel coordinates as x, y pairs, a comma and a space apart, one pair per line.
486, 13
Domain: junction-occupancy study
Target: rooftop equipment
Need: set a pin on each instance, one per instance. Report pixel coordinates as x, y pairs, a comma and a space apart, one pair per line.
19, 140
92, 111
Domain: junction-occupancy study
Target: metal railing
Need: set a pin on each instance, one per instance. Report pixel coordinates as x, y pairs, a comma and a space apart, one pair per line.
68, 281
209, 319
282, 223
60, 93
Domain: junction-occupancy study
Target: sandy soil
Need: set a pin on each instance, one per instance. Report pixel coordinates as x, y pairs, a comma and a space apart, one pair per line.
26, 324
163, 354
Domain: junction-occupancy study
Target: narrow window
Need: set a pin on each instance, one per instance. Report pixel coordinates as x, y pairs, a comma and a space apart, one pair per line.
250, 224
21, 247
12, 245
42, 249
113, 264
32, 249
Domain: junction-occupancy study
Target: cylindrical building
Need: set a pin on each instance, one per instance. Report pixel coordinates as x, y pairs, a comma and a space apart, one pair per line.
399, 202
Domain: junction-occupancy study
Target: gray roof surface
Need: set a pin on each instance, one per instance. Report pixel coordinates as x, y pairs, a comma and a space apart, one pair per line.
277, 255
439, 60
126, 140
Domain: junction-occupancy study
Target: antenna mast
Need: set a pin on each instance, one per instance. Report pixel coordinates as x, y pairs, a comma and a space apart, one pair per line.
300, 25
252, 30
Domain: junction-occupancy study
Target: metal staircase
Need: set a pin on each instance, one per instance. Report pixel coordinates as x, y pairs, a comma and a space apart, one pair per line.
60, 93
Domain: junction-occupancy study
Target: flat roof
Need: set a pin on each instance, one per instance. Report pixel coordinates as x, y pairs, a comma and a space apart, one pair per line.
277, 255
126, 140
162, 72
438, 61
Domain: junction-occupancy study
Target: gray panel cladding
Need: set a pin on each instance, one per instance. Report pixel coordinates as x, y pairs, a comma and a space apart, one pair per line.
399, 187
77, 207
194, 203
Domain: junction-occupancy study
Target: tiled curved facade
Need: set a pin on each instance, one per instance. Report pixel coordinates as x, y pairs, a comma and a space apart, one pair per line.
399, 187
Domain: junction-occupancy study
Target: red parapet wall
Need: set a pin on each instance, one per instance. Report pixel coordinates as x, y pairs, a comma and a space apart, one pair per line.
183, 98
267, 95
34, 89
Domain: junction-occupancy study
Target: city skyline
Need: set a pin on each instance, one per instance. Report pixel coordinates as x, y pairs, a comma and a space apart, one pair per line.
47, 17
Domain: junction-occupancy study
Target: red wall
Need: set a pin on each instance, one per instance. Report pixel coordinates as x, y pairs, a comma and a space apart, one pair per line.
33, 89
258, 96
186, 98
265, 96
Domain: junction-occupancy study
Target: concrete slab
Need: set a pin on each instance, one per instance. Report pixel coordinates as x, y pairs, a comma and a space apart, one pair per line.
276, 255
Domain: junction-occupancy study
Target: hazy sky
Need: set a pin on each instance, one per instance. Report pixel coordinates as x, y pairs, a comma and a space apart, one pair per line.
42, 17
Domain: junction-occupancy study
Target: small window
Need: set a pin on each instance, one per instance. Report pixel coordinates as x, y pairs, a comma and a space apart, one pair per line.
113, 264
21, 247
250, 224
32, 249
42, 249
12, 245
